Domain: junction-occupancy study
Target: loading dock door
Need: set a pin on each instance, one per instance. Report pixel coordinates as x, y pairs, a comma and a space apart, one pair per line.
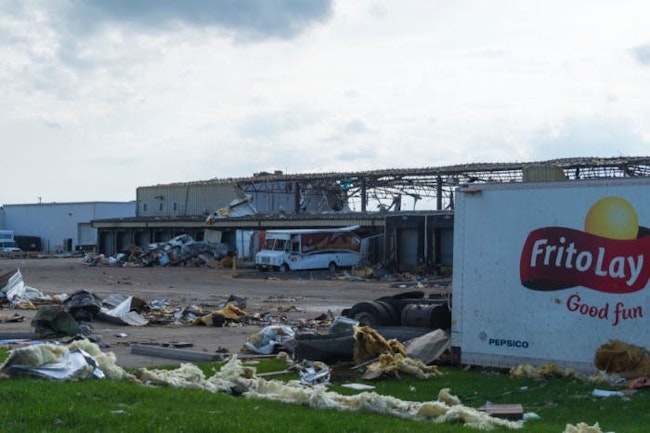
408, 248
87, 234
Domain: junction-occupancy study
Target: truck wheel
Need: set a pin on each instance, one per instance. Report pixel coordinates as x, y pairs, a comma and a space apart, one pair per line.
365, 319
392, 316
284, 267
332, 267
370, 313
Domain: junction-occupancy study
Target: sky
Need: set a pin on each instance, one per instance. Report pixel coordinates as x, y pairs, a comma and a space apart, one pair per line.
98, 98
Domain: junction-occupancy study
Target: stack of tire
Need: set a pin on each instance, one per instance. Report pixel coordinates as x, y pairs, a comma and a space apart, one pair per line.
405, 309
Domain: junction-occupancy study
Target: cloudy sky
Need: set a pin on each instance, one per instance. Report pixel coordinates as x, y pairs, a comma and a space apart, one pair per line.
99, 97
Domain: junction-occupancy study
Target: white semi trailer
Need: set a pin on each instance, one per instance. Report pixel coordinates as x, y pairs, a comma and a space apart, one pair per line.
550, 271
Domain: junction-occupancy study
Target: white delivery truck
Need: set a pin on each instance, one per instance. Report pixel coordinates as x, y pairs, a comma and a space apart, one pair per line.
302, 249
7, 242
550, 271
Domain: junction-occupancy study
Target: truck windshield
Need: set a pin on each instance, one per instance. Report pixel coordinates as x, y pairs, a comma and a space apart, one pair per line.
274, 244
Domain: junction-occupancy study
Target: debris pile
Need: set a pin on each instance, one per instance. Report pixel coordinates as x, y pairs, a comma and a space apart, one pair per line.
628, 360
544, 371
15, 293
182, 250
582, 427
235, 378
80, 359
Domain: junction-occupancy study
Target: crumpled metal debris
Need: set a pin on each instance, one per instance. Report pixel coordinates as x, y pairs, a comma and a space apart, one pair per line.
182, 250
313, 373
83, 305
14, 290
123, 310
265, 341
75, 364
80, 359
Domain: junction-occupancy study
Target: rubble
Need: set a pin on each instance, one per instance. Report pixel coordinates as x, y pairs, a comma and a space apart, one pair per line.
625, 359
235, 378
268, 339
78, 360
182, 250
19, 295
582, 427
228, 313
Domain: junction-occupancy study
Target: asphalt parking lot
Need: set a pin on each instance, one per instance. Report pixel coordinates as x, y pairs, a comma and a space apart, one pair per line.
293, 298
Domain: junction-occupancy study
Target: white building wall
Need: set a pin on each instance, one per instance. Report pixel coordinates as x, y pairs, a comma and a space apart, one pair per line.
54, 223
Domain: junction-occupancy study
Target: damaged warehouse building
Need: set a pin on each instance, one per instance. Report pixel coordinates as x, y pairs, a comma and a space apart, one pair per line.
407, 214
237, 212
404, 215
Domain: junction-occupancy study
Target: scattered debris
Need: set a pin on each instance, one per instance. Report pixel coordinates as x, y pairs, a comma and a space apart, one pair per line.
628, 360
429, 347
544, 371
123, 310
582, 427
268, 339
369, 344
228, 313
606, 393
83, 305
178, 354
313, 373
54, 322
182, 250
392, 364
9, 318
507, 411
235, 378
80, 359
14, 290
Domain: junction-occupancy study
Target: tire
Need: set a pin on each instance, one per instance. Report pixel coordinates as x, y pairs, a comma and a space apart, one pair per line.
283, 268
370, 313
332, 267
365, 318
416, 294
392, 316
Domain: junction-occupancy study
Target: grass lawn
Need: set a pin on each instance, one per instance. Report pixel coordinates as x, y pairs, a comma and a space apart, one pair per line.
39, 405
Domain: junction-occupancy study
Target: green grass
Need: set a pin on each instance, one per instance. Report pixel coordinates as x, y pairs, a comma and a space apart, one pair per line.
37, 405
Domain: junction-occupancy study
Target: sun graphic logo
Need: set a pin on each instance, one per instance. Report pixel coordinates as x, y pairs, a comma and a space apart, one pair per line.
614, 218
608, 256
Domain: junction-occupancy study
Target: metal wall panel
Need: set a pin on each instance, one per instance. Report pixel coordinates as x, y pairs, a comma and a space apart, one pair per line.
268, 197
191, 199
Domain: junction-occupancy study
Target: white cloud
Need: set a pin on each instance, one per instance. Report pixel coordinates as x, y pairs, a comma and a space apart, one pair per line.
124, 97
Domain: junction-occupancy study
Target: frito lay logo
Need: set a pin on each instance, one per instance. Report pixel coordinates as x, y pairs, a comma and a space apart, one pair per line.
608, 256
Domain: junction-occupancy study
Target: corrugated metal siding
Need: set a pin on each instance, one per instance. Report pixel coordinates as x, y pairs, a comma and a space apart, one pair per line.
185, 199
274, 196
56, 222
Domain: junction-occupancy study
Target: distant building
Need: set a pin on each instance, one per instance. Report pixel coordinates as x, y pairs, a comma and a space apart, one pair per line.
60, 227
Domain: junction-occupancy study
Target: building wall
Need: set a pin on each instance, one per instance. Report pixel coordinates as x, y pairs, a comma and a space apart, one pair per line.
267, 197
185, 199
62, 226
271, 197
